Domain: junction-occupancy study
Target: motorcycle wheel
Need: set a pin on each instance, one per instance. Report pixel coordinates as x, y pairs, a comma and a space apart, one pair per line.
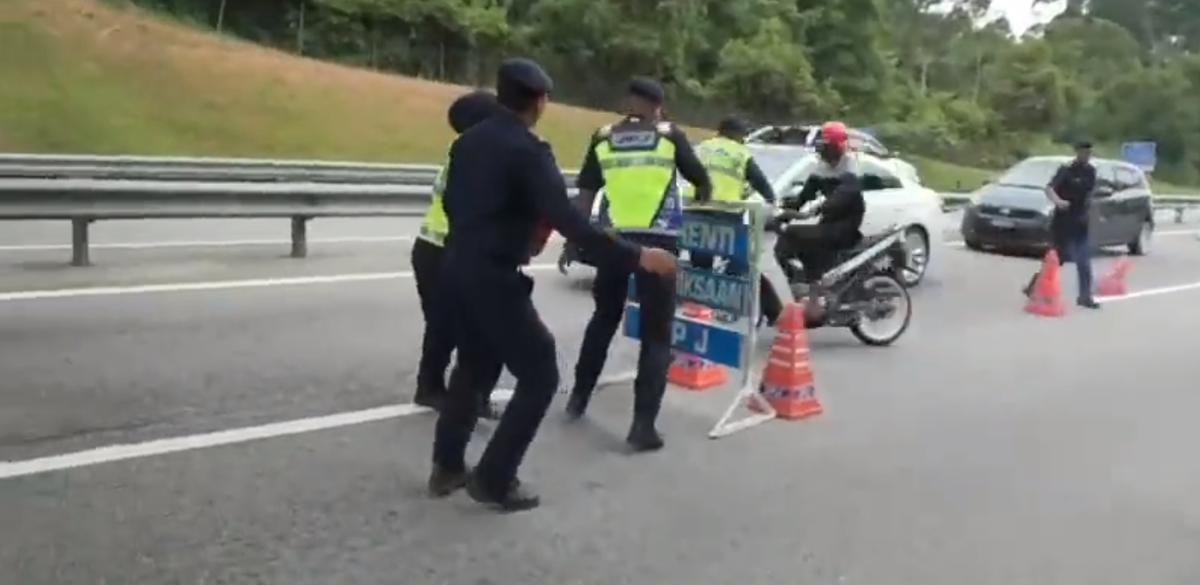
872, 289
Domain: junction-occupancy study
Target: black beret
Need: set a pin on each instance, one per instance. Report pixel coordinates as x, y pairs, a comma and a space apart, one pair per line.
647, 89
1083, 144
525, 74
471, 109
734, 125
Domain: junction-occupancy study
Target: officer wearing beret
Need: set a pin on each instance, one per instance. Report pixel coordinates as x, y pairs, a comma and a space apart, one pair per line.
438, 343
636, 161
503, 186
1071, 191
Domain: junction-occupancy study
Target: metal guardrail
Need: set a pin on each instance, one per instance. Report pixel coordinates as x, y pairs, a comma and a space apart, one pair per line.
1179, 204
141, 168
84, 189
83, 202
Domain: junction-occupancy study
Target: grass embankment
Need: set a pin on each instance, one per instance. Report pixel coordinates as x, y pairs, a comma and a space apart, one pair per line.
81, 76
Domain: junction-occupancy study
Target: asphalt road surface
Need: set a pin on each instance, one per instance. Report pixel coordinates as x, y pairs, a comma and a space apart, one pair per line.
254, 410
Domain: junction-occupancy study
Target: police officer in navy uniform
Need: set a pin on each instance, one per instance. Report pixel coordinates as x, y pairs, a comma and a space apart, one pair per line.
1071, 191
502, 186
438, 343
636, 162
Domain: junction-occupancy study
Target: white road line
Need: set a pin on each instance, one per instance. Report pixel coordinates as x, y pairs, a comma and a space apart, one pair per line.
216, 243
33, 295
123, 452
112, 453
204, 243
283, 242
1152, 292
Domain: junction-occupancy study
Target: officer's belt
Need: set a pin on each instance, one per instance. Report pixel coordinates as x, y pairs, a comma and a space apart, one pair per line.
652, 237
432, 236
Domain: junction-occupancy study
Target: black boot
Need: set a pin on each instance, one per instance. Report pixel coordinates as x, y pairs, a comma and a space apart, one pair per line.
577, 404
443, 482
517, 498
643, 437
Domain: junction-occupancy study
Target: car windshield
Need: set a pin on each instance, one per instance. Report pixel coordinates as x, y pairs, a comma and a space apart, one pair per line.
776, 161
1035, 172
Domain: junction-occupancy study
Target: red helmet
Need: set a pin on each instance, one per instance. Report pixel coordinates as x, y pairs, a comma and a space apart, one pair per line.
831, 141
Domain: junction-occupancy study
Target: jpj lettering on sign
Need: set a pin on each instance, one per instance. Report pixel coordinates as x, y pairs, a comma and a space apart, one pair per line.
704, 340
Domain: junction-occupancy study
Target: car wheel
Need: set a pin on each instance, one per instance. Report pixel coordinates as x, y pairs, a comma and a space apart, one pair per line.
972, 245
916, 247
1140, 246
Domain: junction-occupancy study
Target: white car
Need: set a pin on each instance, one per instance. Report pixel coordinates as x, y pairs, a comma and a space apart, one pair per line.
897, 197
892, 190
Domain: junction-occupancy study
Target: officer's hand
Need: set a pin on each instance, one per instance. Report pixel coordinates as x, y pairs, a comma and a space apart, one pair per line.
658, 261
1061, 203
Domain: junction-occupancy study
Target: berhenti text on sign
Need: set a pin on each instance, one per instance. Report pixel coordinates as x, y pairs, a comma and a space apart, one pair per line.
718, 237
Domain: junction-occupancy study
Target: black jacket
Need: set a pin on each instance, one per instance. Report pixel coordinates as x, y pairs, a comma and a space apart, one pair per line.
502, 181
1074, 182
842, 213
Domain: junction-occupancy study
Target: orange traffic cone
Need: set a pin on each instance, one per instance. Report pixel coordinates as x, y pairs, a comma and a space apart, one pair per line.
1112, 284
787, 381
690, 371
1045, 298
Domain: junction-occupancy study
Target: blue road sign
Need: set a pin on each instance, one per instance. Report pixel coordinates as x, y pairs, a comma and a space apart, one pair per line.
721, 233
1142, 154
703, 340
726, 236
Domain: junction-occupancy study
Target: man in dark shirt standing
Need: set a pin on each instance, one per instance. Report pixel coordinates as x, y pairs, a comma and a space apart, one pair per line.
1071, 192
636, 161
503, 187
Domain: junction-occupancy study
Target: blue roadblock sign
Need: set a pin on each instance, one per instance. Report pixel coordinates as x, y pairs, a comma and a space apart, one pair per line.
723, 235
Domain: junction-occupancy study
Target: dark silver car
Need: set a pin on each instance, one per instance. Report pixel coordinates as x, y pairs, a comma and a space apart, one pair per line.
1013, 214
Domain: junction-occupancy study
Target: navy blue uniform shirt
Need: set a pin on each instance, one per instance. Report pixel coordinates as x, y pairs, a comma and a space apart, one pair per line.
1074, 182
501, 182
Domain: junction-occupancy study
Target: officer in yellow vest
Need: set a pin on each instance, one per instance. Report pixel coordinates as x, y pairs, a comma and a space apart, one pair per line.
438, 343
636, 161
732, 167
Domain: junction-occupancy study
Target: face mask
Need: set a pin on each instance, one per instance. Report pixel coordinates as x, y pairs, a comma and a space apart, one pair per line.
830, 153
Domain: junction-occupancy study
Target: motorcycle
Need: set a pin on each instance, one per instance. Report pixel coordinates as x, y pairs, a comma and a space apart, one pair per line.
863, 290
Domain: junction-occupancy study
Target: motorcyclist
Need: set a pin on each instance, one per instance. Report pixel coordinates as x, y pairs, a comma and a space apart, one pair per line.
841, 214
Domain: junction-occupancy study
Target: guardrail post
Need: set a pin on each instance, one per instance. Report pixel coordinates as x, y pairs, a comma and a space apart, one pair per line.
1179, 214
79, 242
300, 237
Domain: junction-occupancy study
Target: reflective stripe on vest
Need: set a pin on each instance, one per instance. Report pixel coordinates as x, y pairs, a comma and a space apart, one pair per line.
726, 162
639, 185
435, 226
